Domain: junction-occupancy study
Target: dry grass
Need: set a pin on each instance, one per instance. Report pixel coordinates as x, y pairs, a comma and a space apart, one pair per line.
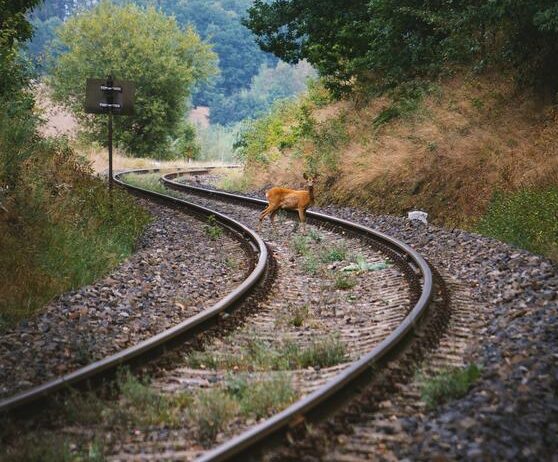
98, 157
469, 138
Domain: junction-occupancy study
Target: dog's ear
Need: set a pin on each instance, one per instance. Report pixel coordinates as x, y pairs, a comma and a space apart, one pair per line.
305, 176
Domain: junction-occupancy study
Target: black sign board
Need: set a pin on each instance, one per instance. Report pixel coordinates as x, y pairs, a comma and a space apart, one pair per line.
104, 96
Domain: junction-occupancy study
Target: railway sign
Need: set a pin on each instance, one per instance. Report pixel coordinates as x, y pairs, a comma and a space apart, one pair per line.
104, 96
112, 97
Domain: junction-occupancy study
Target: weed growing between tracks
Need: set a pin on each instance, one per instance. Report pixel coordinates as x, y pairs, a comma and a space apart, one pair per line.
212, 228
133, 405
258, 355
214, 409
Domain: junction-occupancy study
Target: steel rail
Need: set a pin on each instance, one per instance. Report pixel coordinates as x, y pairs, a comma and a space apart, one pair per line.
238, 446
164, 339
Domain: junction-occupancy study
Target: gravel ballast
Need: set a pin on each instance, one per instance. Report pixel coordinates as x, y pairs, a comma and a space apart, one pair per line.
511, 413
166, 281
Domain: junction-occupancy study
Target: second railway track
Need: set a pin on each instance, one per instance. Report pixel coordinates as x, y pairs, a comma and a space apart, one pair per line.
293, 316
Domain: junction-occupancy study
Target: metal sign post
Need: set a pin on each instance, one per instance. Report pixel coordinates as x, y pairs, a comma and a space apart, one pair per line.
110, 97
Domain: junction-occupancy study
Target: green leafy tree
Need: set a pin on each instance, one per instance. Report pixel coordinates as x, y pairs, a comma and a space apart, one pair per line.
219, 22
268, 86
385, 42
17, 121
141, 45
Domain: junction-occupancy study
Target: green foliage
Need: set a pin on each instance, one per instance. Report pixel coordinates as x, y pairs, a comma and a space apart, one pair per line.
41, 447
216, 143
14, 26
385, 42
212, 228
262, 140
290, 125
143, 46
211, 411
138, 404
300, 245
236, 181
449, 384
311, 264
527, 218
344, 282
263, 397
43, 46
150, 181
267, 87
333, 254
297, 315
141, 405
259, 355
59, 229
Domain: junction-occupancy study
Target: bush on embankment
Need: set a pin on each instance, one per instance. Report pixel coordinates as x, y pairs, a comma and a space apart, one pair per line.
58, 227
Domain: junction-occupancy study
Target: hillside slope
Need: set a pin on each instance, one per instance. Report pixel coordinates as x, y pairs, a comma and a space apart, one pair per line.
446, 150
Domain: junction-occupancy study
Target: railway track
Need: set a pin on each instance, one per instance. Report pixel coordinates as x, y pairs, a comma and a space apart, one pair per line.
373, 425
157, 344
312, 385
375, 330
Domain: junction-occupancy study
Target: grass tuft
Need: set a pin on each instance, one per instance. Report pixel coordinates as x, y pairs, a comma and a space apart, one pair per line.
449, 384
260, 355
343, 282
211, 412
300, 245
333, 254
212, 228
261, 398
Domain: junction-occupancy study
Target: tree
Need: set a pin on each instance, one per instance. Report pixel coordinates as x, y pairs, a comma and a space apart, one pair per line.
269, 85
141, 45
14, 29
386, 42
219, 22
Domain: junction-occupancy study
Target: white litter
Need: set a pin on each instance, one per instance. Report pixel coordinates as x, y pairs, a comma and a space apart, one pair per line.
418, 215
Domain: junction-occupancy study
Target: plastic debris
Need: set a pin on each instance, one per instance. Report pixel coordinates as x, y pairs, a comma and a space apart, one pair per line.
418, 215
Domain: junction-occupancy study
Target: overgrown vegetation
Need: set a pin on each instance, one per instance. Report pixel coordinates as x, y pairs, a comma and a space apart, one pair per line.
291, 127
59, 227
133, 403
344, 282
150, 181
212, 228
443, 105
260, 355
449, 384
526, 218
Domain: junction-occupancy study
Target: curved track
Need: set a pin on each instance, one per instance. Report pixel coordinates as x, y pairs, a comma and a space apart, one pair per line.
158, 343
328, 395
409, 262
